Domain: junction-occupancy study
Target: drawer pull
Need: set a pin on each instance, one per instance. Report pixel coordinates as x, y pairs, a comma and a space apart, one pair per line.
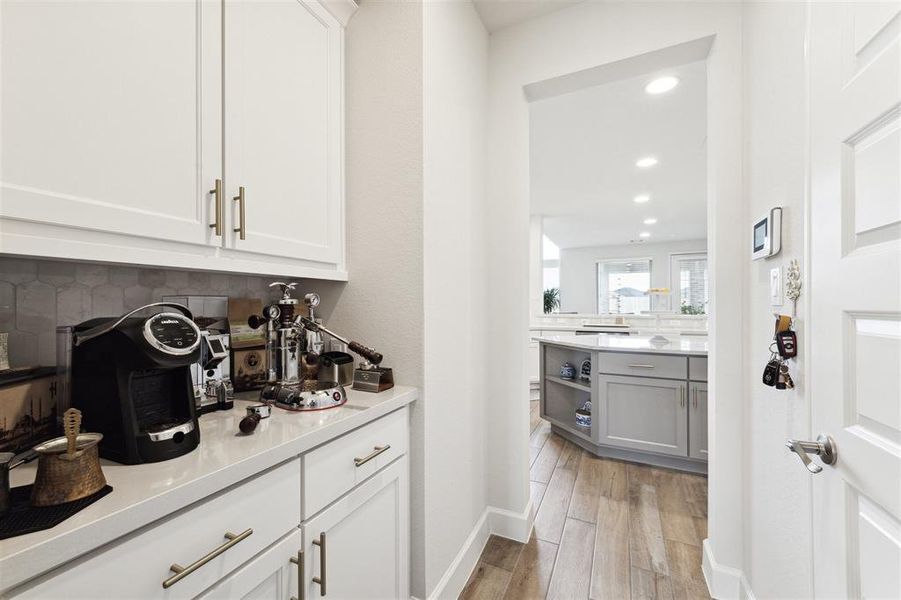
182, 572
321, 579
642, 366
358, 462
301, 588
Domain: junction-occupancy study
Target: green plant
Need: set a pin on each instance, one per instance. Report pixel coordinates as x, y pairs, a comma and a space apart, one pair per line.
551, 300
690, 309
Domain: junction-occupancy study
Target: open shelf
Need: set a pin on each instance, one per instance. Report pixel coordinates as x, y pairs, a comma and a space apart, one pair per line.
573, 383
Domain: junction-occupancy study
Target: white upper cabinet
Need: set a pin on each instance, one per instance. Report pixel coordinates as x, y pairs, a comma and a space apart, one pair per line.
283, 128
110, 116
116, 125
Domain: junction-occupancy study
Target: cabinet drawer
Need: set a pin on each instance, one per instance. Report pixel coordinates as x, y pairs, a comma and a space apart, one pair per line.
136, 566
331, 469
697, 368
643, 365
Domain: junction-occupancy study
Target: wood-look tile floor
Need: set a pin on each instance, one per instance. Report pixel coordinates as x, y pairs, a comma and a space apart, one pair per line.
604, 529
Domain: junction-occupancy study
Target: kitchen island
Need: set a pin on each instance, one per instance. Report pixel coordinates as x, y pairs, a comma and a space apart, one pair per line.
648, 396
240, 513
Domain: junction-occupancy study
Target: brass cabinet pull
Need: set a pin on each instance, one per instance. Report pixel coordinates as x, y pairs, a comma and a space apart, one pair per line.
694, 397
358, 462
217, 193
642, 366
241, 229
301, 588
321, 579
182, 572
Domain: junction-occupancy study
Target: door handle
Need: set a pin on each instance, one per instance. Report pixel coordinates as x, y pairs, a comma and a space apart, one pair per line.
241, 230
301, 587
217, 194
321, 579
824, 447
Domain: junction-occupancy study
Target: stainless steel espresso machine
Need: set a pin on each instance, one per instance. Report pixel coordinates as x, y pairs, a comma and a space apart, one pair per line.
294, 345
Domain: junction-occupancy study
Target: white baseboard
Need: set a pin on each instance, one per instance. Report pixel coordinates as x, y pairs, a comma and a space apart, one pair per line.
494, 521
723, 583
746, 593
457, 574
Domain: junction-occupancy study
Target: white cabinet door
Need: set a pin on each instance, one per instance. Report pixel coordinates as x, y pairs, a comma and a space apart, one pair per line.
359, 546
273, 575
697, 421
283, 128
111, 121
642, 413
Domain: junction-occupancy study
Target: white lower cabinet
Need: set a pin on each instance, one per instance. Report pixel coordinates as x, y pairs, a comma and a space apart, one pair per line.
273, 575
252, 540
642, 413
359, 546
697, 421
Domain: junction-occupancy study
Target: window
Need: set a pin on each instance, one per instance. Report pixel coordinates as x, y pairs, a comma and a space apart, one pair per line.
689, 283
550, 255
623, 286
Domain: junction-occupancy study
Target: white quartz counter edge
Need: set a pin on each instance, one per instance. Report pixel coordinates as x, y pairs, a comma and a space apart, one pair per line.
27, 556
680, 346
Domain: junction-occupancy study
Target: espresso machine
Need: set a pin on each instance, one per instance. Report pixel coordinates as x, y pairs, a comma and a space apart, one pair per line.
211, 373
131, 378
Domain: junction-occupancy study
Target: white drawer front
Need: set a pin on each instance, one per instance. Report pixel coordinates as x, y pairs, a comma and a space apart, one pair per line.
137, 566
643, 365
697, 368
331, 469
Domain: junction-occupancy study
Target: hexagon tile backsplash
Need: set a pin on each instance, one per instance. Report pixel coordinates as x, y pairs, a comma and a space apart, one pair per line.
38, 295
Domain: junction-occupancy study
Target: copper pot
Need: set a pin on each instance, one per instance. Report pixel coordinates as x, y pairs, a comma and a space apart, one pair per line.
68, 467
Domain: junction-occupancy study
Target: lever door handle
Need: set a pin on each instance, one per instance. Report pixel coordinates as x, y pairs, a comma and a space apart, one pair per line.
824, 447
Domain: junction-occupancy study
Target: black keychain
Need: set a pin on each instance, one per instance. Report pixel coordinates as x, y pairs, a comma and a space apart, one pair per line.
771, 372
787, 343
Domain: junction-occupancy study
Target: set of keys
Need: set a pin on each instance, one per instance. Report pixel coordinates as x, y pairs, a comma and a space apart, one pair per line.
776, 373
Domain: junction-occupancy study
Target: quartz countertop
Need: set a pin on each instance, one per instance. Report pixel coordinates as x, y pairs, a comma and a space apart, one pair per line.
144, 493
679, 345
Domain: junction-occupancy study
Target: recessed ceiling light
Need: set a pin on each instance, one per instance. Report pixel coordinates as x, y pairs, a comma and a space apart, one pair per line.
650, 221
662, 85
645, 234
647, 161
641, 199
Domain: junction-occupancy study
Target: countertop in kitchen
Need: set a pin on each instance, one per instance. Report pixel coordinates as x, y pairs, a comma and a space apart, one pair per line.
144, 493
679, 345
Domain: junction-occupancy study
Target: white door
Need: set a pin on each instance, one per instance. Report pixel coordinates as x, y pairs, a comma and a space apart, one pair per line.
111, 117
359, 546
273, 575
855, 320
283, 128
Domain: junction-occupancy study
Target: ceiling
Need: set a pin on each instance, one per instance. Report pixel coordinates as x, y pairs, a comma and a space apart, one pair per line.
583, 148
497, 14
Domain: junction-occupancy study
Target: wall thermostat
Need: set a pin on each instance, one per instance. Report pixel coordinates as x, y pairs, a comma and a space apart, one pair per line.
766, 237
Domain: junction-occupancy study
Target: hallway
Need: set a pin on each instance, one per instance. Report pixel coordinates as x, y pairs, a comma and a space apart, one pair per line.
603, 529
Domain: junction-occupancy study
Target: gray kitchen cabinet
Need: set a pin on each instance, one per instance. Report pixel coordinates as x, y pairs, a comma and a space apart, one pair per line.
697, 420
642, 413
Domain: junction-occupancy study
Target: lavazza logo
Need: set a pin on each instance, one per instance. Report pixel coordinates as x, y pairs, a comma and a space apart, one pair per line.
169, 322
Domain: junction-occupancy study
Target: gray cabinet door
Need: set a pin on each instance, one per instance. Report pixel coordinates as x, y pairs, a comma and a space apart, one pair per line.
697, 421
643, 413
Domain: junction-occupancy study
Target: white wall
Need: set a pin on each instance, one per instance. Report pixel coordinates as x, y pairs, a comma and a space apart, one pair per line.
416, 96
382, 305
581, 37
777, 502
578, 269
455, 48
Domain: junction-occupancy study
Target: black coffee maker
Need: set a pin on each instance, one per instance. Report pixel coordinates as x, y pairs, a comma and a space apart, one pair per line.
131, 379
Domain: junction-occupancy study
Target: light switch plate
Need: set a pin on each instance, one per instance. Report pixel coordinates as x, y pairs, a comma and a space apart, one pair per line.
776, 286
